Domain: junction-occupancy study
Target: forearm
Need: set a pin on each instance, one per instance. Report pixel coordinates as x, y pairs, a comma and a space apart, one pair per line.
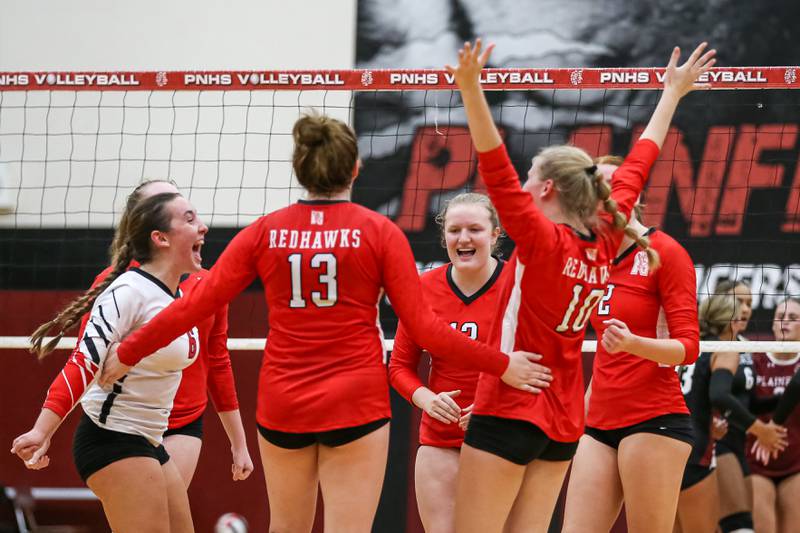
232, 423
482, 128
47, 422
663, 351
789, 400
723, 399
658, 126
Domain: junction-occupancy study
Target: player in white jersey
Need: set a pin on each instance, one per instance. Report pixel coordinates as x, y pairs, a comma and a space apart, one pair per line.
117, 446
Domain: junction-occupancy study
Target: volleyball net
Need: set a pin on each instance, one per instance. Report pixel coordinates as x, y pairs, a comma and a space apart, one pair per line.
74, 144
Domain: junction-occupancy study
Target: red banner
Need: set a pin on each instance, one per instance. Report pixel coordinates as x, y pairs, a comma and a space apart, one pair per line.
392, 80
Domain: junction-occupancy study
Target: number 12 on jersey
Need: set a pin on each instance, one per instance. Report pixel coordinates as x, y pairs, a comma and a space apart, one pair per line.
326, 264
584, 312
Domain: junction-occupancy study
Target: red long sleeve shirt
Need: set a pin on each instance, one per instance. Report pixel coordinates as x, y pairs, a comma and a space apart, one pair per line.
472, 315
323, 265
560, 275
211, 373
627, 389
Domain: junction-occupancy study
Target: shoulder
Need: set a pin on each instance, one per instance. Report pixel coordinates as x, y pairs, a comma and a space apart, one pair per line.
435, 276
670, 250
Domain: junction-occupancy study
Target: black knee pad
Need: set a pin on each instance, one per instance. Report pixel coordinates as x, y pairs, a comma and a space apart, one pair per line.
737, 522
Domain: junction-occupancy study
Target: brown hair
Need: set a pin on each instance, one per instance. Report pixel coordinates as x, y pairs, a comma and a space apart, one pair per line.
149, 215
475, 199
642, 241
716, 312
121, 233
325, 154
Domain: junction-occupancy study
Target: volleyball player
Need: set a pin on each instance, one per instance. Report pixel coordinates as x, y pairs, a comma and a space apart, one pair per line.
732, 468
118, 446
464, 293
638, 428
776, 484
211, 374
710, 383
323, 401
517, 448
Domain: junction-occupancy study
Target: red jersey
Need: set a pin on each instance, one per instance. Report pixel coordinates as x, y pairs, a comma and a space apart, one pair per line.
772, 377
323, 265
559, 276
627, 389
212, 368
472, 315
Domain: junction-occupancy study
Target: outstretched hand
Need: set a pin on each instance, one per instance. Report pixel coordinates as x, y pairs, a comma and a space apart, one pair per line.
471, 60
683, 79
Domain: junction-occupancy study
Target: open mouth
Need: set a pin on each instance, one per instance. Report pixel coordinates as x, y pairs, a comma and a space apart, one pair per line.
196, 250
465, 253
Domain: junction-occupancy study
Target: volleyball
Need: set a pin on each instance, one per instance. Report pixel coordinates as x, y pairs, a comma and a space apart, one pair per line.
231, 523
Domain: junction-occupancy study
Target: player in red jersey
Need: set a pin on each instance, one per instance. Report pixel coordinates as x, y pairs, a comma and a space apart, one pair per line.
464, 293
210, 374
517, 449
323, 402
776, 484
638, 428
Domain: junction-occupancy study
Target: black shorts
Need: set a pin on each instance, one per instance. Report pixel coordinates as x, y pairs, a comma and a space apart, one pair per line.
94, 448
517, 441
676, 426
192, 429
724, 446
332, 438
694, 474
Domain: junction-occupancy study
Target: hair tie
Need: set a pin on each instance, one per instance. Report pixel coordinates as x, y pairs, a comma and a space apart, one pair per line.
591, 170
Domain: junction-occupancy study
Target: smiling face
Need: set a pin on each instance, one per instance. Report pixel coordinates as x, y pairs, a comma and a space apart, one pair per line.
184, 240
469, 235
786, 324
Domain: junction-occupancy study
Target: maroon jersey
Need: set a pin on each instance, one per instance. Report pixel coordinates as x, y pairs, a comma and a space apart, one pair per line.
627, 389
472, 315
559, 276
210, 374
323, 265
772, 377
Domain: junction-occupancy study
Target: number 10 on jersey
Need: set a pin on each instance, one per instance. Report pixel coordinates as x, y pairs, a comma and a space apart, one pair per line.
325, 263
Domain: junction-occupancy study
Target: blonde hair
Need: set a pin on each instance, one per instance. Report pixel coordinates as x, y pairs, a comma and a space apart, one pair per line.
325, 154
471, 198
149, 215
716, 313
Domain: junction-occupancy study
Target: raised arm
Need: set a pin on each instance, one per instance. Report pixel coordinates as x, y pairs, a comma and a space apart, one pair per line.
520, 217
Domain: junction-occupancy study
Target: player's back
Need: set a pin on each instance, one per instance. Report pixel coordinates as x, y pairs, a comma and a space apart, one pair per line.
545, 311
321, 263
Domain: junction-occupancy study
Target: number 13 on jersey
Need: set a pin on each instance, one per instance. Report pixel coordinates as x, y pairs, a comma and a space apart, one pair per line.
325, 263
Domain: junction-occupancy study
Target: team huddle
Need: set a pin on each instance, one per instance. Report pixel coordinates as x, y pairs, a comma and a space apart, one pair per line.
505, 412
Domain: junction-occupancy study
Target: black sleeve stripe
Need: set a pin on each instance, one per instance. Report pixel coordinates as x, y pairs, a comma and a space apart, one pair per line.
110, 329
92, 349
114, 296
99, 332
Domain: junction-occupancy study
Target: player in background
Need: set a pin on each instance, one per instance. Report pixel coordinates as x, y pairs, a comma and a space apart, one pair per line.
709, 384
776, 480
211, 374
464, 293
323, 400
735, 498
517, 448
118, 447
638, 428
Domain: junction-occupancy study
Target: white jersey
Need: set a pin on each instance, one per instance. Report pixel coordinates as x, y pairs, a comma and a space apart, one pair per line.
140, 402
